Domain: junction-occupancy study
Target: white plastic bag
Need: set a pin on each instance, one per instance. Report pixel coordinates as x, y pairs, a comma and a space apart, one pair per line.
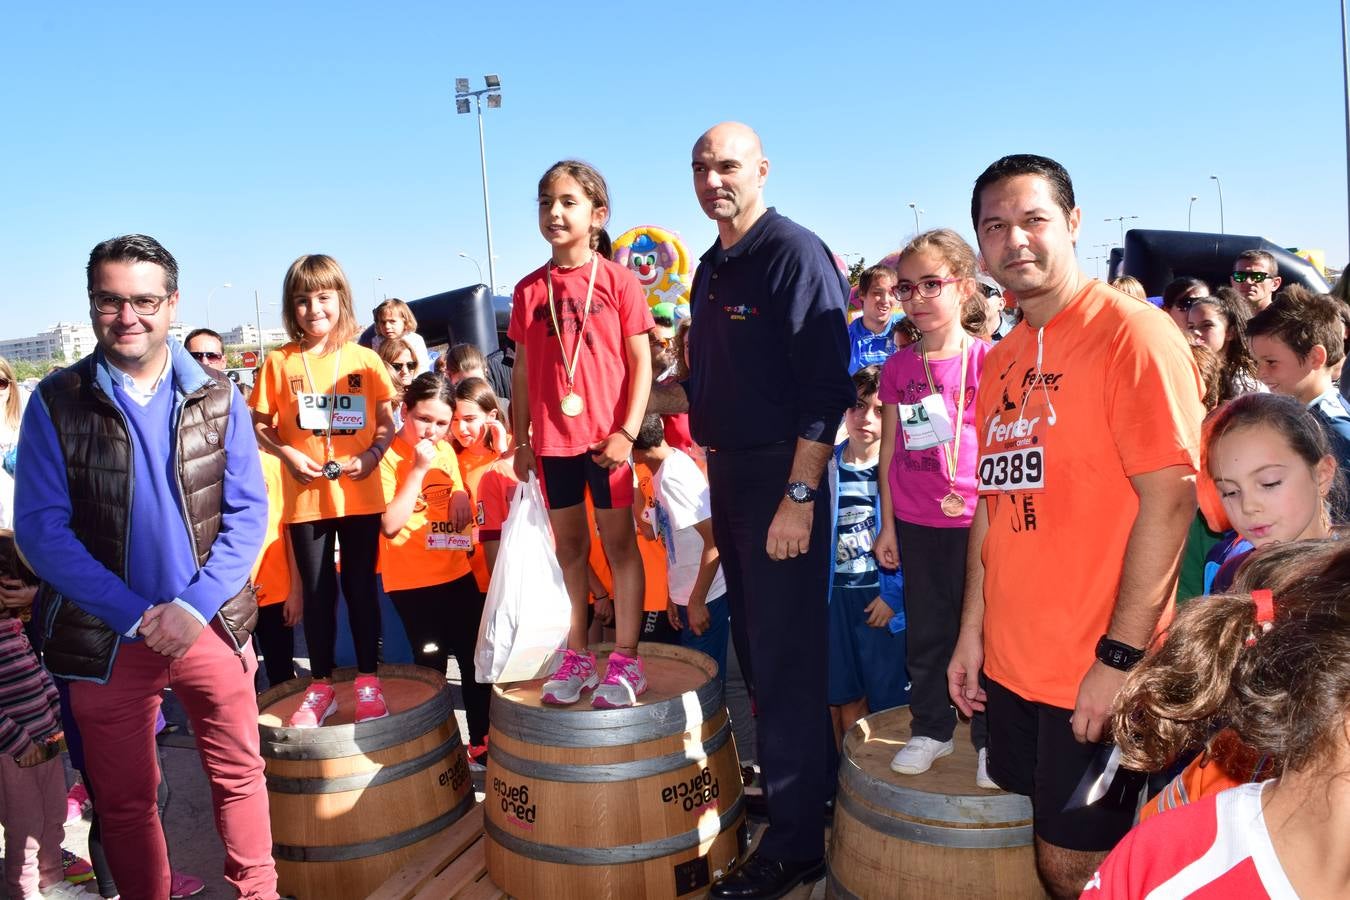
527, 613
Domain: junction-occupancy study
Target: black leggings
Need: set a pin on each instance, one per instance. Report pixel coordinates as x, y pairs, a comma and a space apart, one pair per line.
447, 615
313, 544
276, 644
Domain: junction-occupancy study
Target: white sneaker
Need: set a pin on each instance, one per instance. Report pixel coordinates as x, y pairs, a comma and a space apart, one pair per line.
982, 772
919, 754
62, 891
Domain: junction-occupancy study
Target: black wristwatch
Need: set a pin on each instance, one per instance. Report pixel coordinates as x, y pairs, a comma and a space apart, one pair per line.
1117, 655
800, 492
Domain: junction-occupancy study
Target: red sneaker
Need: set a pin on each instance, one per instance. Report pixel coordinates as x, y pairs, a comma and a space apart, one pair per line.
369, 698
183, 885
320, 702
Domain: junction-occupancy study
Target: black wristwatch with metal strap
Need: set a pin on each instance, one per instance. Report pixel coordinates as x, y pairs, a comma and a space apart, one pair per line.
800, 492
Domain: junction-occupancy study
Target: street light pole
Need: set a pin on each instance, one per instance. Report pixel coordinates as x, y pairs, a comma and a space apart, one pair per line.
375, 289
1188, 211
1218, 184
257, 311
476, 264
1121, 220
917, 213
209, 295
1345, 81
494, 98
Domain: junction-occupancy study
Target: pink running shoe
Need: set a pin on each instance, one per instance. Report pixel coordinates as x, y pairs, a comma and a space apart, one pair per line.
75, 801
369, 698
183, 885
320, 702
625, 681
575, 674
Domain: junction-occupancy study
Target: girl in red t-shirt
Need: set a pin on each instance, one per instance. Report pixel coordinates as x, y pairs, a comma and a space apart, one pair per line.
579, 392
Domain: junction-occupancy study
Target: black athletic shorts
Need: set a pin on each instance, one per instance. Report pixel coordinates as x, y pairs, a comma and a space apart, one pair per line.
566, 479
1032, 751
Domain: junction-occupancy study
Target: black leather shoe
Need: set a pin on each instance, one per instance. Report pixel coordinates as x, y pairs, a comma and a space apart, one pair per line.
761, 878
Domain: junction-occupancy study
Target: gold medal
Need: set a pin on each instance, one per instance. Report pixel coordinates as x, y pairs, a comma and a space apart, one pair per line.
953, 505
572, 404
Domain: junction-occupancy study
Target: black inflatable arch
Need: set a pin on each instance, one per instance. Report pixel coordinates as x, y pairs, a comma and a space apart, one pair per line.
1157, 257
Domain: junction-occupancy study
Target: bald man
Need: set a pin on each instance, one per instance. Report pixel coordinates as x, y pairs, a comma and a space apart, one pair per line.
768, 387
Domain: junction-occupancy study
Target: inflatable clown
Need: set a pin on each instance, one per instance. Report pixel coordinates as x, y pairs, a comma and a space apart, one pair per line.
661, 263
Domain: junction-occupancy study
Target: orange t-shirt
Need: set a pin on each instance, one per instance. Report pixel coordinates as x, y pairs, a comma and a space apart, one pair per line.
272, 571
1116, 394
421, 554
1209, 773
491, 482
284, 392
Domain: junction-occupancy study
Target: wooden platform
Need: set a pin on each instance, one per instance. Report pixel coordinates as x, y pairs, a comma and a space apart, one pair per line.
276, 706
668, 676
453, 866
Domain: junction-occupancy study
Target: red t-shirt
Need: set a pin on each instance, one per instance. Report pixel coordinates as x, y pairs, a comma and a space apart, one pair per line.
1218, 848
618, 311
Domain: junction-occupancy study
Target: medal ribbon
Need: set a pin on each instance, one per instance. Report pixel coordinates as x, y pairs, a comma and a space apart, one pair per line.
332, 401
569, 370
952, 454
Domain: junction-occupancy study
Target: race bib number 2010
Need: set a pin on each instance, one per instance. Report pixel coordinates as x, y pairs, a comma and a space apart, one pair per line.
1012, 471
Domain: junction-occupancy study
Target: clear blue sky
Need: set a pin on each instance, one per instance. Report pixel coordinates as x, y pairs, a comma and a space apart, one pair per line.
245, 134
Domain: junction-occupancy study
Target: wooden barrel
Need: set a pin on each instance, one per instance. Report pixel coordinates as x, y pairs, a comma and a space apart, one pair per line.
586, 803
930, 835
351, 804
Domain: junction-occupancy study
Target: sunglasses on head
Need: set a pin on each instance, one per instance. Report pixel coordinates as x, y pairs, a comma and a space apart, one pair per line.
1253, 277
206, 356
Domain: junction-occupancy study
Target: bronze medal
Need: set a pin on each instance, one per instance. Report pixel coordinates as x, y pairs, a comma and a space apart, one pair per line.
953, 505
572, 404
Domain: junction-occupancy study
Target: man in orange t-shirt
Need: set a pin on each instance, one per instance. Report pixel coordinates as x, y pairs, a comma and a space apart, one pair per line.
1088, 420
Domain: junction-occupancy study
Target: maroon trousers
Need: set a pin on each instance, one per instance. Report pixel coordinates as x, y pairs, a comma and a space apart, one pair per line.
117, 724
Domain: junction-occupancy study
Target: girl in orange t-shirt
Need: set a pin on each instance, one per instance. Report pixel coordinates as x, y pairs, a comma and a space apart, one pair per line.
581, 379
424, 551
322, 406
485, 461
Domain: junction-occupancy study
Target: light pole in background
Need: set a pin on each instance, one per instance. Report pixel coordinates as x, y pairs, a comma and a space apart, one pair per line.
1218, 184
476, 264
917, 213
209, 295
1188, 211
494, 101
257, 311
375, 288
1345, 83
1122, 220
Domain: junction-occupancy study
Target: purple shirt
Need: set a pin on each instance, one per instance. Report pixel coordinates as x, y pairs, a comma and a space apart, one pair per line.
918, 478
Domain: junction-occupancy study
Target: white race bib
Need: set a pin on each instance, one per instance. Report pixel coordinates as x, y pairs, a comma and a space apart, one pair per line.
925, 424
1012, 471
449, 541
341, 412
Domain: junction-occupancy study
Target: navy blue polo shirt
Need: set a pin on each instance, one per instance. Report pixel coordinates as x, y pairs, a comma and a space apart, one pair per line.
769, 345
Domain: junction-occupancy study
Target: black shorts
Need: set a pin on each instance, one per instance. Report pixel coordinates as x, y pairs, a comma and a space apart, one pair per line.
1032, 751
566, 478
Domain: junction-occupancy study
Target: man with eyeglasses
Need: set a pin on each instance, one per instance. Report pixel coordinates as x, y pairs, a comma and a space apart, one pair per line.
1256, 276
206, 347
140, 503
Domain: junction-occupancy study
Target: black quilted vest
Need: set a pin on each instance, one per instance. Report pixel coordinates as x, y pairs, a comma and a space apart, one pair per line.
96, 450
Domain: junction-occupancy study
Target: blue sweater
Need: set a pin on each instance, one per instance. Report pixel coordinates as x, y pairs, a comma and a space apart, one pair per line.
160, 567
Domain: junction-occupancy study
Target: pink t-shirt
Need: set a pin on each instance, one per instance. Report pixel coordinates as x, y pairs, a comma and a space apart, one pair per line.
918, 478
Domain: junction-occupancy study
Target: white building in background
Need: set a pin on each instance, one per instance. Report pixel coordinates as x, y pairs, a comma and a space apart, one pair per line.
67, 341
246, 336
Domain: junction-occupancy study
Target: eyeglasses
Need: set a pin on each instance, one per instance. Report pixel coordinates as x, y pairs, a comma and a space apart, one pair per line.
141, 304
928, 289
1253, 277
1184, 304
204, 356
404, 366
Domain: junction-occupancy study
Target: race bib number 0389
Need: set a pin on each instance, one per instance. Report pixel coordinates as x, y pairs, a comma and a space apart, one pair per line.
1012, 471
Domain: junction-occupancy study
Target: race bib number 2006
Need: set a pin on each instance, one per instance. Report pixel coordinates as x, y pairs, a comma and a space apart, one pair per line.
1012, 471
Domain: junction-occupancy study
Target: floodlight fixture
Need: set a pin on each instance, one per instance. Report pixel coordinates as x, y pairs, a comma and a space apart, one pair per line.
461, 85
494, 101
461, 105
492, 81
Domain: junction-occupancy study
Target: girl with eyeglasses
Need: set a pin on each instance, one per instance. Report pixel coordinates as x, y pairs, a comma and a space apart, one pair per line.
322, 405
928, 450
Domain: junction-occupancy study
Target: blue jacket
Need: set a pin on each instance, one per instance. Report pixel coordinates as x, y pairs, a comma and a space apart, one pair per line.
892, 581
